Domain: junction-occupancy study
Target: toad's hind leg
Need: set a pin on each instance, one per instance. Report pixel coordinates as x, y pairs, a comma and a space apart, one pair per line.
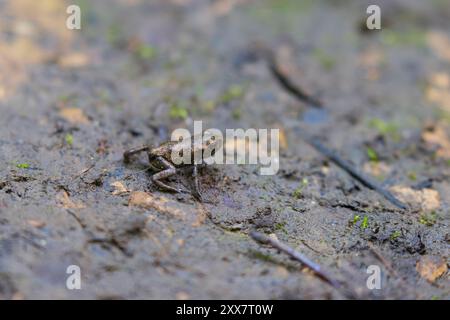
127, 154
169, 170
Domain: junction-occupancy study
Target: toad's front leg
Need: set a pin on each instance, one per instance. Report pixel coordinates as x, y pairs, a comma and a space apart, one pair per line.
169, 170
127, 154
196, 192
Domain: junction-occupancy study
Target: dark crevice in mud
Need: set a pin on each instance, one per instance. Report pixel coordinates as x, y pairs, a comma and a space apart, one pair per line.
3, 184
119, 236
358, 206
111, 241
352, 207
92, 239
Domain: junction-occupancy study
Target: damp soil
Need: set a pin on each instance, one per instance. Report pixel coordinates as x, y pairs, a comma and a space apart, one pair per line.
72, 101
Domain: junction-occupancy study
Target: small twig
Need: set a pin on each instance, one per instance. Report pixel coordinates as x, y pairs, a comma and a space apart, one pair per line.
383, 260
263, 239
288, 85
387, 264
350, 169
428, 183
82, 173
75, 216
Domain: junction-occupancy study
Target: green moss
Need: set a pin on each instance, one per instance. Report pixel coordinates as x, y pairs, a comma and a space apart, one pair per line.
261, 256
145, 52
326, 61
235, 235
114, 35
298, 192
412, 176
64, 98
385, 128
178, 112
279, 14
23, 165
428, 219
69, 139
233, 92
289, 6
394, 235
209, 105
281, 226
365, 223
371, 153
412, 37
236, 114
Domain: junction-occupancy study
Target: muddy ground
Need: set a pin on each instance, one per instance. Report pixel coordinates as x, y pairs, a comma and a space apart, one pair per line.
72, 101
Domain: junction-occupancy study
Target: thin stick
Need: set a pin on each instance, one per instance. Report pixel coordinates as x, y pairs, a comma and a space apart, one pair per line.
287, 83
387, 264
83, 172
263, 239
345, 165
380, 257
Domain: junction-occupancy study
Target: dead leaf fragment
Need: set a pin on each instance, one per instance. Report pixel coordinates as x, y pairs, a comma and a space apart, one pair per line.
74, 115
281, 272
67, 203
18, 296
119, 188
73, 60
377, 169
2, 92
202, 214
436, 136
438, 90
431, 267
440, 80
36, 223
440, 44
182, 296
184, 211
283, 140
159, 203
371, 60
425, 199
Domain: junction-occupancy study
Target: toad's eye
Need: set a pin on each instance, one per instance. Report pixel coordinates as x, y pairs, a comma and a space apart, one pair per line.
213, 138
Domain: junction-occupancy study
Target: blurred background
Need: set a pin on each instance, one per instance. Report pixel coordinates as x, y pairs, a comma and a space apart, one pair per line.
71, 101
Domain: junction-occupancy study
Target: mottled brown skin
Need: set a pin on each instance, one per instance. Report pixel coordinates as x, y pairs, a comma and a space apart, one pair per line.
160, 159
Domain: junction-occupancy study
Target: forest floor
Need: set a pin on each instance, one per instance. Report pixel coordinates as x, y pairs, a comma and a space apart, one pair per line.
72, 101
